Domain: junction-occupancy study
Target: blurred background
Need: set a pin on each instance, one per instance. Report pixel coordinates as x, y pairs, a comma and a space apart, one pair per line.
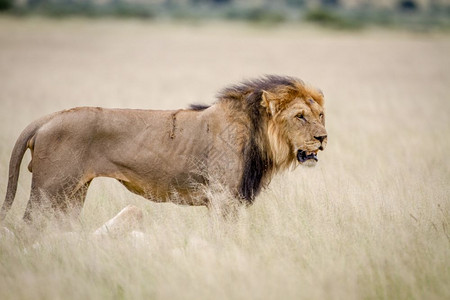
349, 14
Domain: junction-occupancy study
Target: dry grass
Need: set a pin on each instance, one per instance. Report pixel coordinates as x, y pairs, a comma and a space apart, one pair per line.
370, 221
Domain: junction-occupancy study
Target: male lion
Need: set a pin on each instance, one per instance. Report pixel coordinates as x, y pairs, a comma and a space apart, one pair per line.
254, 130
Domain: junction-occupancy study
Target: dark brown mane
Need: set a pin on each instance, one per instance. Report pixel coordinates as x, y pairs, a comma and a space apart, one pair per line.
266, 83
198, 107
247, 97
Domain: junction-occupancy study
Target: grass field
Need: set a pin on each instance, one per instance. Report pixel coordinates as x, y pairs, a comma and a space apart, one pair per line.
370, 221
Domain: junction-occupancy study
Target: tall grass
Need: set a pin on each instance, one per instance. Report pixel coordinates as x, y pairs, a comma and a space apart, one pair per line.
370, 221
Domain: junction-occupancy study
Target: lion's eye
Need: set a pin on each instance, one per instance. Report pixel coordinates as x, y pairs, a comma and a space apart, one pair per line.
301, 117
321, 115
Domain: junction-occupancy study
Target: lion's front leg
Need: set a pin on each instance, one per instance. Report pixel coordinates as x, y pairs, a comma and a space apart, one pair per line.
225, 211
222, 203
127, 220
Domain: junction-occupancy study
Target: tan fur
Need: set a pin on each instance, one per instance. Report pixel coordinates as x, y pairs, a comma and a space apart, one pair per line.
167, 155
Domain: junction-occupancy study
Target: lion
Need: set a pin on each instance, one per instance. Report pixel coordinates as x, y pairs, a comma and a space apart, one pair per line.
254, 130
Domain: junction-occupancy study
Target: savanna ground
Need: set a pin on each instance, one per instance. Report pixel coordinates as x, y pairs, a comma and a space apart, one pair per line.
371, 220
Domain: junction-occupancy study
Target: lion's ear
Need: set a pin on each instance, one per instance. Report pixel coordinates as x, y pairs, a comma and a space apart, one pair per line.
270, 102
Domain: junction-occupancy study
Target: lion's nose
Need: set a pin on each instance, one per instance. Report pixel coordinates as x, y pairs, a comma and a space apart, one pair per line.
320, 138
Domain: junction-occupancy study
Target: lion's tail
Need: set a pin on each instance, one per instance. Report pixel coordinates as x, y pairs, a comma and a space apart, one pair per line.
21, 146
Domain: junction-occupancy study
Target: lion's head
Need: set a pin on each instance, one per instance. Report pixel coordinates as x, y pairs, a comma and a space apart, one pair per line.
296, 122
285, 113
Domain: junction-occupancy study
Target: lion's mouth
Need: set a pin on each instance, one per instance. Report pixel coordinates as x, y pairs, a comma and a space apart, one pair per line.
303, 156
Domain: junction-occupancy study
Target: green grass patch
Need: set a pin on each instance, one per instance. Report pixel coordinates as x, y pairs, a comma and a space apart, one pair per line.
332, 19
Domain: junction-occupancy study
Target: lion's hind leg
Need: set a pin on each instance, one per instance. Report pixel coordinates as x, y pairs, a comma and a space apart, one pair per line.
59, 198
